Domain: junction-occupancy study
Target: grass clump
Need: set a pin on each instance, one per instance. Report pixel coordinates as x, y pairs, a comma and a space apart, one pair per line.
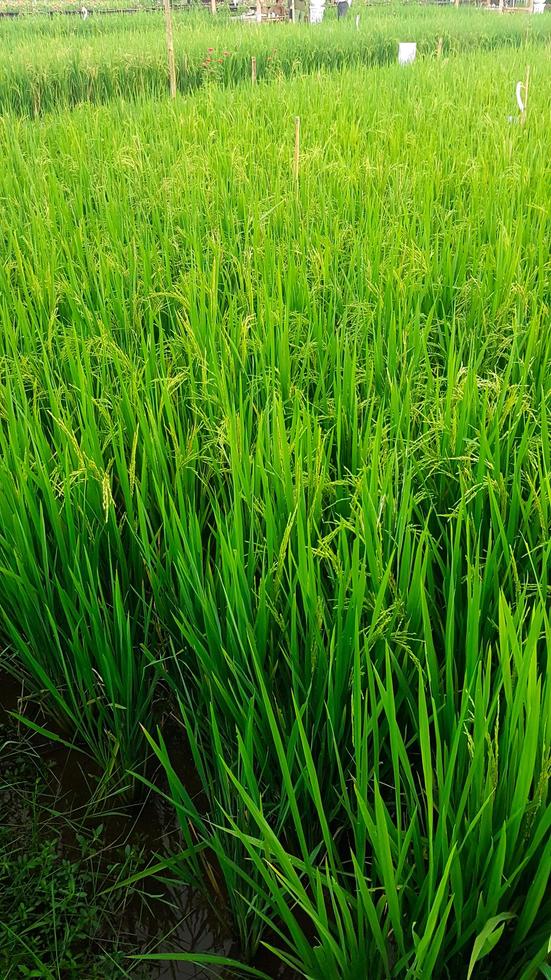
54, 918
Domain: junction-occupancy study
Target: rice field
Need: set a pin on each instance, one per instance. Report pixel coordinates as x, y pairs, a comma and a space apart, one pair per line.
275, 458
48, 63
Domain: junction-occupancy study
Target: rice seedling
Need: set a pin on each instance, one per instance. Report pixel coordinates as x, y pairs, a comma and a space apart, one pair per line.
284, 446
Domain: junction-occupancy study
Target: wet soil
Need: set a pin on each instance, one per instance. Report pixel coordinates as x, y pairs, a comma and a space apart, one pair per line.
160, 916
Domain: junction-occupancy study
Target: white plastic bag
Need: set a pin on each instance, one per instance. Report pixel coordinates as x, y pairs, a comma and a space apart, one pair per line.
407, 52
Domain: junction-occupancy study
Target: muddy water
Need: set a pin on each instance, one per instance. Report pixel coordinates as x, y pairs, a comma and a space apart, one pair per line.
172, 918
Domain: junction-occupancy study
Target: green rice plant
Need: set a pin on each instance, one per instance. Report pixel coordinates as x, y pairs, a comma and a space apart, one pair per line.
72, 617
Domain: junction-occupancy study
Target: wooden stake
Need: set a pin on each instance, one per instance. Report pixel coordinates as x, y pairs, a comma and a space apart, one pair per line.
440, 46
501, 6
170, 49
297, 148
213, 6
457, 3
253, 71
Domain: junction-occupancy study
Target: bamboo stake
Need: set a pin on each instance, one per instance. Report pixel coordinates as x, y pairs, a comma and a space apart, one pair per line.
170, 49
526, 87
253, 71
297, 149
213, 6
440, 46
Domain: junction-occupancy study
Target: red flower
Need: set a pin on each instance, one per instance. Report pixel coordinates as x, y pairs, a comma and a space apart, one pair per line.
210, 50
